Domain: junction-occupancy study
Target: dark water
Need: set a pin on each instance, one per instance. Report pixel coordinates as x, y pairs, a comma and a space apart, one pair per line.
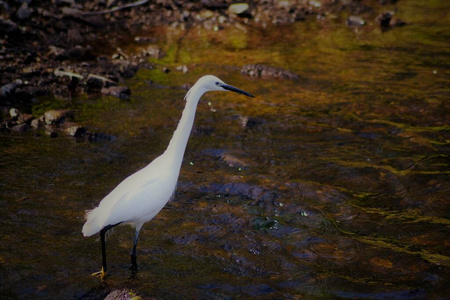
335, 185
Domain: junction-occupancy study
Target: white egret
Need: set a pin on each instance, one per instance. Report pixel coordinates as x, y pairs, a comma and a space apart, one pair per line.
142, 195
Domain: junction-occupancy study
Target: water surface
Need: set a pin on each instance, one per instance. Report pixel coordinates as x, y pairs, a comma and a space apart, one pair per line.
332, 185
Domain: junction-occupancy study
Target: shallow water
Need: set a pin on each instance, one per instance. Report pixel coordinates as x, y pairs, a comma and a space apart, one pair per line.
333, 185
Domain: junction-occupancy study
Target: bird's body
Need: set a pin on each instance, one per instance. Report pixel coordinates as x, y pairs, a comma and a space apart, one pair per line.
130, 202
142, 195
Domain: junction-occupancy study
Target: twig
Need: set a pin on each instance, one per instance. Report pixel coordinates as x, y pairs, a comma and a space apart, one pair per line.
115, 8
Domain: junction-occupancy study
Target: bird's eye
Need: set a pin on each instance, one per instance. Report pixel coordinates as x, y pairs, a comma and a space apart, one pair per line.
217, 83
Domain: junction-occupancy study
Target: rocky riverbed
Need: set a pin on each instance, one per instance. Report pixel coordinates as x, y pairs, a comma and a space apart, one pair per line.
64, 49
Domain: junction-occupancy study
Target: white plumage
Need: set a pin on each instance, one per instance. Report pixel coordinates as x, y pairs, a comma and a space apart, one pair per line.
142, 195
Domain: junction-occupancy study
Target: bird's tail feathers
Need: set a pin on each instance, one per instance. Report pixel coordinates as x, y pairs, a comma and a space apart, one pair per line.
90, 227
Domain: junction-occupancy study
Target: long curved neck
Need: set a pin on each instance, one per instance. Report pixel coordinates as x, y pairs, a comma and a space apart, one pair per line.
178, 143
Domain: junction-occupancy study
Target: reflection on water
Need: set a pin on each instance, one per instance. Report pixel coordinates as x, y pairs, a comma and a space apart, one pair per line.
332, 185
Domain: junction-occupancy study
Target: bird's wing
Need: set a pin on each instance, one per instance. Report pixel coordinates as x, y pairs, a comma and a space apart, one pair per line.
138, 202
138, 198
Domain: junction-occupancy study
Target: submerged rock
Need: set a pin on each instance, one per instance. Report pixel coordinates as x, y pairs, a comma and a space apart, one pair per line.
99, 137
267, 72
252, 122
261, 223
242, 189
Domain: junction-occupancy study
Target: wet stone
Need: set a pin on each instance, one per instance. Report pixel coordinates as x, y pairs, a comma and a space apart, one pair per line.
30, 71
7, 89
20, 128
13, 112
267, 72
355, 21
384, 19
62, 73
261, 223
185, 239
29, 92
7, 26
234, 161
57, 53
24, 11
77, 53
252, 122
258, 290
397, 22
98, 82
122, 295
241, 189
240, 9
24, 118
121, 92
76, 131
36, 123
154, 51
56, 116
99, 137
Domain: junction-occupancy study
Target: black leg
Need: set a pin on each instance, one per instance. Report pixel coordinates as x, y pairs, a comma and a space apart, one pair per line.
102, 273
103, 243
133, 251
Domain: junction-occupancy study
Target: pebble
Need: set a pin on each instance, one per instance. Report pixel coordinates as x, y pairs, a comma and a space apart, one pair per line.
13, 112
239, 9
355, 21
56, 116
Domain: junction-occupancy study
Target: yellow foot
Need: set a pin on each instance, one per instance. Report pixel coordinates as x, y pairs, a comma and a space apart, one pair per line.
101, 274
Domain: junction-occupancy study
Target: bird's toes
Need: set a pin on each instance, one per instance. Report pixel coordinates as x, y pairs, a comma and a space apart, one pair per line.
101, 274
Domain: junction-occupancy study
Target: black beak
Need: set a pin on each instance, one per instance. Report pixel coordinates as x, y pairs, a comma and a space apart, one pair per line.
236, 90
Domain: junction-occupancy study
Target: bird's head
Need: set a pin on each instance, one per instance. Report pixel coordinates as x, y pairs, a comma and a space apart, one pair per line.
212, 83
